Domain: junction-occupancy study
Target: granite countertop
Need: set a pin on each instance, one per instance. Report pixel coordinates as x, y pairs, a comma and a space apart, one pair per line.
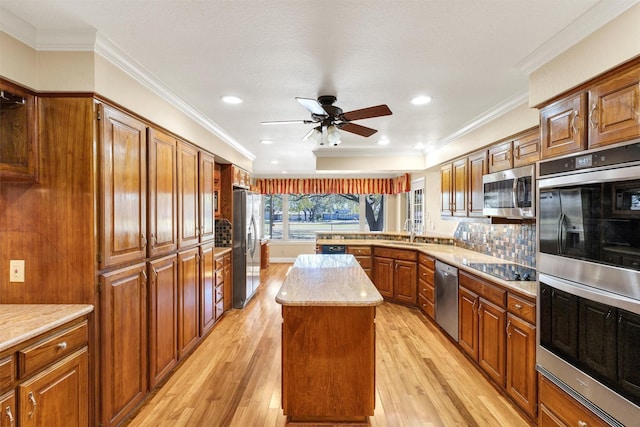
21, 322
328, 280
449, 254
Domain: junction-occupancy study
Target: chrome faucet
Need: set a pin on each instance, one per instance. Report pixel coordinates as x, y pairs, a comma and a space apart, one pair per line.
410, 227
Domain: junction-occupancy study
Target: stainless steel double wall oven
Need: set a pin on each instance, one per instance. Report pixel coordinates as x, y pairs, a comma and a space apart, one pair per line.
589, 273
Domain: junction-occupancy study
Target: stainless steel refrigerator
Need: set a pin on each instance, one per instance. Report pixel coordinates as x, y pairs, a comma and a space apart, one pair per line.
246, 246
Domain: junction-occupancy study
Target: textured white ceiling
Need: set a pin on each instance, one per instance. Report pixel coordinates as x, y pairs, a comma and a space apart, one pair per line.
471, 56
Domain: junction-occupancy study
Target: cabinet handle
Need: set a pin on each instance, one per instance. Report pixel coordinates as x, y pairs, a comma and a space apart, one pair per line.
144, 274
582, 423
9, 416
153, 240
518, 306
507, 330
573, 123
62, 345
143, 240
592, 113
516, 153
473, 306
32, 399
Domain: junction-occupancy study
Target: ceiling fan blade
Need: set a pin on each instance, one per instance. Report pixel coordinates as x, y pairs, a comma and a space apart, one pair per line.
357, 129
287, 122
312, 105
367, 113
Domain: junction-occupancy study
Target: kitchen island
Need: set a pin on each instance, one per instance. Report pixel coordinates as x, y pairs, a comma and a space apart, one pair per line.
328, 340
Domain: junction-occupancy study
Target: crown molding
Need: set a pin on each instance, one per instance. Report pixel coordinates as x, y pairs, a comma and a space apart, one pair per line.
596, 17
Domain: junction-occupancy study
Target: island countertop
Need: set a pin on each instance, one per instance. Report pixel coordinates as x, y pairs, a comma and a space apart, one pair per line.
328, 280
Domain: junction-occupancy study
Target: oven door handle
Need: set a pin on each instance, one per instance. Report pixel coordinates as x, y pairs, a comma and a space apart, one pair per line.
559, 240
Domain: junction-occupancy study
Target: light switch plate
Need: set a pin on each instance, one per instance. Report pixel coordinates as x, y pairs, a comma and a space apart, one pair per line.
16, 270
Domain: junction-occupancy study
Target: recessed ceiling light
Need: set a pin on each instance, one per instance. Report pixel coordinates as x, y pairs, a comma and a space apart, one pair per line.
284, 171
274, 162
230, 99
384, 141
419, 146
421, 100
266, 141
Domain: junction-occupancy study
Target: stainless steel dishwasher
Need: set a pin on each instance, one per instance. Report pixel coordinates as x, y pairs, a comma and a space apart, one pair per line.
447, 298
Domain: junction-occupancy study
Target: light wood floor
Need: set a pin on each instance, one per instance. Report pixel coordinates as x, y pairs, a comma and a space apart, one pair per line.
233, 377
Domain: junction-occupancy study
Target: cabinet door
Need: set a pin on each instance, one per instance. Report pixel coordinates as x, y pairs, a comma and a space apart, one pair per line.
57, 397
628, 352
521, 381
18, 135
460, 187
163, 318
468, 322
597, 331
562, 126
206, 193
123, 188
227, 282
405, 285
383, 273
526, 148
614, 109
477, 168
491, 340
188, 318
207, 288
188, 213
446, 202
8, 412
163, 194
124, 341
500, 157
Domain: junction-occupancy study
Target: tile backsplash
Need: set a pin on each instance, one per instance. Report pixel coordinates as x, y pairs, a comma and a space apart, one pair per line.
223, 233
512, 242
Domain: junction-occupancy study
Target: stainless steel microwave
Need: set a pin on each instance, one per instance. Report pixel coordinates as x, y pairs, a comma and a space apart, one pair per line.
510, 193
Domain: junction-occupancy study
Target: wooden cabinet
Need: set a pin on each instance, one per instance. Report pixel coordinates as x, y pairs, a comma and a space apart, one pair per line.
241, 178
123, 188
557, 408
19, 152
8, 409
188, 212
477, 168
395, 274
58, 395
426, 284
614, 109
163, 194
206, 193
446, 187
208, 284
362, 254
563, 126
461, 185
163, 318
526, 148
521, 363
482, 322
500, 156
459, 189
123, 355
227, 285
188, 301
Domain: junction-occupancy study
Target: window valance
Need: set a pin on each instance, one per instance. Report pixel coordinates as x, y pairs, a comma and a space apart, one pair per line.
400, 184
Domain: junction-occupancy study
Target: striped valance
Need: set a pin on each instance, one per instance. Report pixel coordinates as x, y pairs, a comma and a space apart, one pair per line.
400, 184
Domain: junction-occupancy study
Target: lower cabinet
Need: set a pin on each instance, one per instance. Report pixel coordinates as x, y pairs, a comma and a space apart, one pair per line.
188, 301
222, 283
207, 288
8, 412
123, 363
363, 256
426, 284
395, 272
558, 409
163, 318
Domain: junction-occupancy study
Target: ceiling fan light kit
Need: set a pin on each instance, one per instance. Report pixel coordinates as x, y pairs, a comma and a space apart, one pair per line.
332, 118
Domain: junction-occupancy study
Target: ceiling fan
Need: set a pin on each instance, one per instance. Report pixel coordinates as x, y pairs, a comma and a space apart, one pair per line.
331, 118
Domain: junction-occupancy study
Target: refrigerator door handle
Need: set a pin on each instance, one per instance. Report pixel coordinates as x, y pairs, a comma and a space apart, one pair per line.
251, 244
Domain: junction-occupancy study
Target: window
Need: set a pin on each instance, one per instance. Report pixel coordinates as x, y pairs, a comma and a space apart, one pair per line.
299, 216
415, 206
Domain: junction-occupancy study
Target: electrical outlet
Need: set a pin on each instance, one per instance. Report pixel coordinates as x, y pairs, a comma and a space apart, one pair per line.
16, 270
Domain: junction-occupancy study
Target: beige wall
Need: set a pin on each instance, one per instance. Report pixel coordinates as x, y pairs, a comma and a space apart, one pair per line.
18, 62
615, 43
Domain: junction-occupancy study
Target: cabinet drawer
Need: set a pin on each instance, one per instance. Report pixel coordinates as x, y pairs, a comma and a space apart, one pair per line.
426, 274
427, 306
364, 261
427, 261
219, 293
426, 290
522, 308
7, 373
219, 277
39, 355
219, 308
484, 289
564, 407
396, 254
359, 250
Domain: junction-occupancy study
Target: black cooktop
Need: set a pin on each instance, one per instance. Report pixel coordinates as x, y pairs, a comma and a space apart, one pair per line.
506, 271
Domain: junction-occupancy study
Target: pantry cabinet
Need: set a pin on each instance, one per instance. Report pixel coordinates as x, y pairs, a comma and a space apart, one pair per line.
123, 188
188, 212
206, 194
188, 301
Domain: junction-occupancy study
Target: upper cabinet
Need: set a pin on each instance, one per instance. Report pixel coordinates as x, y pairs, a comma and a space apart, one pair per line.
614, 109
207, 196
188, 212
518, 150
241, 177
500, 156
18, 136
461, 185
605, 111
123, 187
